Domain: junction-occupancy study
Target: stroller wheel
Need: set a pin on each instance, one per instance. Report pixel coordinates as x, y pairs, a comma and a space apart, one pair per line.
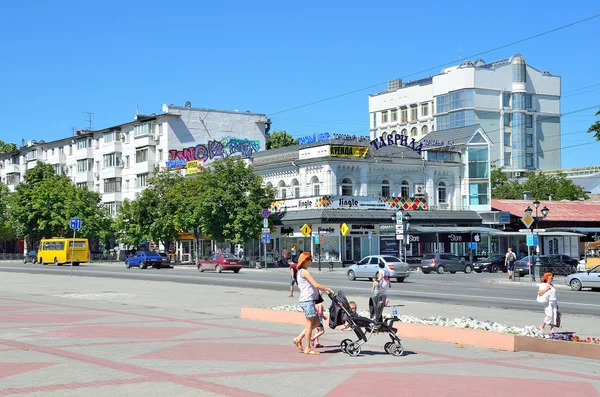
396, 350
344, 344
353, 349
387, 346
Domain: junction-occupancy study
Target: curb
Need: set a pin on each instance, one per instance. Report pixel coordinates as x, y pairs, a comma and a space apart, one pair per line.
527, 284
463, 336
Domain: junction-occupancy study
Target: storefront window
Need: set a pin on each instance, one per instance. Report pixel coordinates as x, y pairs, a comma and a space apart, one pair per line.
478, 162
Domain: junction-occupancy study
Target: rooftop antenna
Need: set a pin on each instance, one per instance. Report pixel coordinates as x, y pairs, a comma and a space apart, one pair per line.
88, 116
73, 130
137, 109
459, 52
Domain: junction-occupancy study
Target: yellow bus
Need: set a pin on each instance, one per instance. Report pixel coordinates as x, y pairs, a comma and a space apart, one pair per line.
59, 251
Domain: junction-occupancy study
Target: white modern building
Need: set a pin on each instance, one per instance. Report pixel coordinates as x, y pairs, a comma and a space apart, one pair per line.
517, 105
117, 161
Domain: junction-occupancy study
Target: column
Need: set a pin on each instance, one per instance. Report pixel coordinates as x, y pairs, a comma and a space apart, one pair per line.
364, 179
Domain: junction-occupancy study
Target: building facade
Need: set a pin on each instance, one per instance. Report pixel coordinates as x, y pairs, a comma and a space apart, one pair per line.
517, 105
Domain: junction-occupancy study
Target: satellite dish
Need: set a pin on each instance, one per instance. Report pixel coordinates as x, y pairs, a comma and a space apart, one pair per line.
188, 104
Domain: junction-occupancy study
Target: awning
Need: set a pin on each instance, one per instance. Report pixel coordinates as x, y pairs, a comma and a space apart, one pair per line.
455, 229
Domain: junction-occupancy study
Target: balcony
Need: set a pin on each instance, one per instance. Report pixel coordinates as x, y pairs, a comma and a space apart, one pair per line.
112, 147
144, 140
112, 197
81, 177
87, 153
112, 172
144, 167
13, 169
57, 158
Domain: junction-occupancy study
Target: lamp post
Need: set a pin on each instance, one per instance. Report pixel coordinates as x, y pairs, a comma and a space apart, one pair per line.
544, 213
405, 221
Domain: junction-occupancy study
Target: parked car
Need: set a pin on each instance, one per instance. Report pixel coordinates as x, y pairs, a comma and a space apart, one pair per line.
567, 259
587, 279
165, 258
441, 263
549, 264
492, 264
30, 257
369, 266
143, 259
219, 262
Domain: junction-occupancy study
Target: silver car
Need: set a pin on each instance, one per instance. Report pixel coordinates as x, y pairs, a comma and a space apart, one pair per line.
369, 266
441, 263
587, 279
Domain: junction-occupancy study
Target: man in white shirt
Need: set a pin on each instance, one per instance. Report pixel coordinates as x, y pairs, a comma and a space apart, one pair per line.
509, 262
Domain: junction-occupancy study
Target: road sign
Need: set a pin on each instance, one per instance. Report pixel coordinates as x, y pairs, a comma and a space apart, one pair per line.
75, 223
306, 229
370, 235
265, 239
266, 230
316, 239
527, 220
265, 222
400, 228
532, 240
399, 236
398, 216
266, 213
344, 229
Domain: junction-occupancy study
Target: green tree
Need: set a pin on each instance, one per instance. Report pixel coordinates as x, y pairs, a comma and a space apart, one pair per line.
230, 200
595, 128
502, 187
7, 231
279, 139
127, 227
6, 147
542, 186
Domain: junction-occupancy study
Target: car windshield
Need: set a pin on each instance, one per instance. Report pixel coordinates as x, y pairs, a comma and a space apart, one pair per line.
390, 259
150, 253
429, 256
227, 256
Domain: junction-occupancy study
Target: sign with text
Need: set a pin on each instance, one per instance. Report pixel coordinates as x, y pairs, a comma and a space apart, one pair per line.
348, 151
388, 245
459, 237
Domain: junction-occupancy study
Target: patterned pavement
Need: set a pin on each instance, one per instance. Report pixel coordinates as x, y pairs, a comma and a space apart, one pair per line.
54, 346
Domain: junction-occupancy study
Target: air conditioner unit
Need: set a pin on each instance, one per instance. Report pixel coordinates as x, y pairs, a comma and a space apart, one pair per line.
156, 137
122, 164
97, 175
444, 206
419, 190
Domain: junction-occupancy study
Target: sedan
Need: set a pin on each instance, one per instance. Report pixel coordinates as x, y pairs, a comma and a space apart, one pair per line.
587, 279
369, 266
143, 259
549, 264
567, 259
219, 262
492, 264
441, 263
30, 257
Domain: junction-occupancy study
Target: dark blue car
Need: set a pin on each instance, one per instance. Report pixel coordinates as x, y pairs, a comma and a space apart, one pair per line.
30, 257
143, 259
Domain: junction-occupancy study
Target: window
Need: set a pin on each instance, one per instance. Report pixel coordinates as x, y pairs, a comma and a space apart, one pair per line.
282, 190
160, 156
112, 185
112, 208
528, 121
83, 143
528, 101
394, 115
315, 185
58, 169
413, 131
519, 100
127, 161
403, 115
346, 187
478, 193
141, 155
109, 137
413, 112
404, 189
111, 160
478, 162
528, 140
454, 100
507, 158
441, 192
424, 130
506, 99
507, 119
296, 188
460, 118
519, 70
84, 165
15, 159
507, 139
31, 155
82, 185
384, 117
13, 179
143, 129
126, 185
404, 132
529, 159
141, 180
425, 109
385, 188
374, 120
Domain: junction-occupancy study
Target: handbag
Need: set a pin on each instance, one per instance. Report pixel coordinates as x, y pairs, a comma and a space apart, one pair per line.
319, 299
544, 298
558, 319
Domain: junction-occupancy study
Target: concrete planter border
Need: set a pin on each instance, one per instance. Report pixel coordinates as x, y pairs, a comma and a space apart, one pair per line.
463, 336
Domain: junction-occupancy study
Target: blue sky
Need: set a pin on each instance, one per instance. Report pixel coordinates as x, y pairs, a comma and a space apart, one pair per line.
63, 58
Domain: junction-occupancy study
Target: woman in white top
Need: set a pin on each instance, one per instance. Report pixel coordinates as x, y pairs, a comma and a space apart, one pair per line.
309, 293
551, 309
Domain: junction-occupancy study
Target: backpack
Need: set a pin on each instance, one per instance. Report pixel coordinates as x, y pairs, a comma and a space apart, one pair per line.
512, 257
386, 275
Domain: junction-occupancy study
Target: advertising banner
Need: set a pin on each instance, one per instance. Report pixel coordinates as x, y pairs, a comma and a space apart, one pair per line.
348, 151
389, 245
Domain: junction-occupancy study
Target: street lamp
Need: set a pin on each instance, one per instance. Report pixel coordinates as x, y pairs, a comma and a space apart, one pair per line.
406, 219
537, 217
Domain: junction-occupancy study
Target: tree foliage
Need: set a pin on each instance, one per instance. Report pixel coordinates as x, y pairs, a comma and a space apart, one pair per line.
539, 184
6, 228
595, 128
279, 139
6, 147
43, 203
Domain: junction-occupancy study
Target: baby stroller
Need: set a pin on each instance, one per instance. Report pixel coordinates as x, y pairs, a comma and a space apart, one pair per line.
340, 313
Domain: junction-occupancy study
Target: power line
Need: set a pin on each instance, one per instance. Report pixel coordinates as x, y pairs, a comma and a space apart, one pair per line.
442, 65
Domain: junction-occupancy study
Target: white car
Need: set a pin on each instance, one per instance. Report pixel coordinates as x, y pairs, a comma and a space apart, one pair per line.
369, 266
586, 279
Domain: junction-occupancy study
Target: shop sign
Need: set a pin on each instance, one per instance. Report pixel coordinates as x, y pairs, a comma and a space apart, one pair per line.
363, 227
185, 235
459, 237
351, 137
436, 143
314, 138
351, 202
349, 151
389, 245
396, 140
325, 229
287, 230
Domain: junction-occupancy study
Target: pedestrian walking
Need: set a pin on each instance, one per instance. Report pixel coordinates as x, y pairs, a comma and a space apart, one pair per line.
293, 276
547, 296
294, 254
509, 262
381, 282
309, 297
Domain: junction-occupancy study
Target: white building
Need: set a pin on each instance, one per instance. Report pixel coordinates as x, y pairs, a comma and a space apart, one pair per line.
517, 105
117, 161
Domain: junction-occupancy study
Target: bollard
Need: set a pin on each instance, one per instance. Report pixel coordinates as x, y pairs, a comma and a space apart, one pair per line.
330, 266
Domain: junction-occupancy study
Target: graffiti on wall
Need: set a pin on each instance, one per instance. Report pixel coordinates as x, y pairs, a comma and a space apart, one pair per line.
213, 149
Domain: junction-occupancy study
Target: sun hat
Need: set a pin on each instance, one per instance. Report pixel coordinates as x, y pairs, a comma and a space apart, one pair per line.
303, 258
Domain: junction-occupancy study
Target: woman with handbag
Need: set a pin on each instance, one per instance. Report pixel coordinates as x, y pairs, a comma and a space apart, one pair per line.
547, 296
309, 296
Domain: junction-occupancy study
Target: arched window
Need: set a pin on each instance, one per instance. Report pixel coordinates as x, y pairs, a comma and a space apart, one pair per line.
424, 130
316, 186
441, 192
295, 188
347, 187
404, 189
281, 190
393, 133
413, 131
404, 132
269, 185
385, 188
384, 136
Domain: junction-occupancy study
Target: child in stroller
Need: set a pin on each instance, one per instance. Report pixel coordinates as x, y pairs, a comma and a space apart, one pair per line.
340, 313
